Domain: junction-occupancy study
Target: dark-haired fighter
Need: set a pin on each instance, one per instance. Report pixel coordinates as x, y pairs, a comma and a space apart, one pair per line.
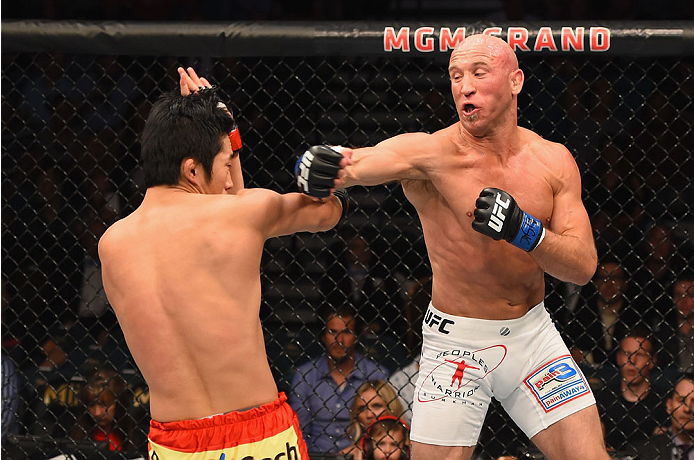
182, 273
499, 207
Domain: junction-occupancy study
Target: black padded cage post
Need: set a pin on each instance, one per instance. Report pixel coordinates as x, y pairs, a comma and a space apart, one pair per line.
75, 96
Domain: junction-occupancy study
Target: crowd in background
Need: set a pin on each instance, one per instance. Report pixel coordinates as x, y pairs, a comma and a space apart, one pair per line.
65, 366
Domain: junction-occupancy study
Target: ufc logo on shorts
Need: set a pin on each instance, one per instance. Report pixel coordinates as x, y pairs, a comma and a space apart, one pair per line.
304, 167
496, 220
431, 319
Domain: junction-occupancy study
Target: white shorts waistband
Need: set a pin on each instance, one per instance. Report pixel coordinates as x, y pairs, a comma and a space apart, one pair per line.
436, 321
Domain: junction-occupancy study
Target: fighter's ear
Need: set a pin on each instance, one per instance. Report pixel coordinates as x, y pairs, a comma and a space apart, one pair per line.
517, 79
190, 170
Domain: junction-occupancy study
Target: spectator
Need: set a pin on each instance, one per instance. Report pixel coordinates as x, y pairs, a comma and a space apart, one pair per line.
31, 345
374, 398
324, 388
657, 260
632, 408
92, 298
677, 331
10, 396
595, 328
106, 420
386, 438
616, 197
677, 443
13, 328
41, 259
356, 280
403, 381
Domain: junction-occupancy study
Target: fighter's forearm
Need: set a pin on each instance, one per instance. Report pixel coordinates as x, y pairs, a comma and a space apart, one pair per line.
374, 166
237, 175
566, 257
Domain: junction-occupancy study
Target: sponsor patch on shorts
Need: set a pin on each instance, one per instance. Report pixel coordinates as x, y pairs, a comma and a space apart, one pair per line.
557, 382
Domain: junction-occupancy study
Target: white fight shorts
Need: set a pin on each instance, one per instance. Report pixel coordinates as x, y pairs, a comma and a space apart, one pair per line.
522, 362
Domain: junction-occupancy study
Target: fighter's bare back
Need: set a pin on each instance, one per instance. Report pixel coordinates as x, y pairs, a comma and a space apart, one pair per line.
185, 284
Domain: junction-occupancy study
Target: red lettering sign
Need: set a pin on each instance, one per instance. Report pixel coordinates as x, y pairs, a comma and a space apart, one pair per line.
518, 38
446, 41
569, 39
545, 39
599, 39
492, 31
401, 40
425, 45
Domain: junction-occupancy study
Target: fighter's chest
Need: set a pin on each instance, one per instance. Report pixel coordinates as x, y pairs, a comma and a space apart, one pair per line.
529, 183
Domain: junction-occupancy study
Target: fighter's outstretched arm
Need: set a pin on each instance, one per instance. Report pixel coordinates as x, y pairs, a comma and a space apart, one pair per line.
278, 214
322, 168
400, 157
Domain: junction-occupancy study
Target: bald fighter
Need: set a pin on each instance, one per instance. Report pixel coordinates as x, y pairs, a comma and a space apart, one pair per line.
182, 273
499, 207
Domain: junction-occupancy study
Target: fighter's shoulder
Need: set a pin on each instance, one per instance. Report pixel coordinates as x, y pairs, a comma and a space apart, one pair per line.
113, 238
413, 142
549, 152
556, 160
258, 204
447, 136
249, 199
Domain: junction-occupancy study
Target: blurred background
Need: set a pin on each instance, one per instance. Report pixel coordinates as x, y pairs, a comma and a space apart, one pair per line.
70, 128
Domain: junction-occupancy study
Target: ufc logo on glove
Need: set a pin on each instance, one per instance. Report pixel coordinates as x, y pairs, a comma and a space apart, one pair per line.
317, 169
303, 168
498, 216
496, 220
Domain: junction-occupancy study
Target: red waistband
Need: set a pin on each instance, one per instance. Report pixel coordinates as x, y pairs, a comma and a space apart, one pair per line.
222, 419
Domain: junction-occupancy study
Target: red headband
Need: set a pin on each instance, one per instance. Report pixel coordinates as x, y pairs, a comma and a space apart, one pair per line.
235, 138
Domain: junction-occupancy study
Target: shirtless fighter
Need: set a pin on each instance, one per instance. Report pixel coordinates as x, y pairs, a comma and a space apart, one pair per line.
182, 273
499, 207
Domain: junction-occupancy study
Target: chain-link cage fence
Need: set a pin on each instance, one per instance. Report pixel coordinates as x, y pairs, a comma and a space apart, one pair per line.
70, 127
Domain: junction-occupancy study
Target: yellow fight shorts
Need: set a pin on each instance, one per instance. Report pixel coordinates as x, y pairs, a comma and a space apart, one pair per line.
268, 431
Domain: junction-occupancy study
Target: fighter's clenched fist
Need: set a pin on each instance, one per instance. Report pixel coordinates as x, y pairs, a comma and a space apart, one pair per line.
317, 169
498, 216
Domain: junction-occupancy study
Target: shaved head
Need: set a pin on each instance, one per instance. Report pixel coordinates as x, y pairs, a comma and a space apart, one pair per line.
498, 51
485, 82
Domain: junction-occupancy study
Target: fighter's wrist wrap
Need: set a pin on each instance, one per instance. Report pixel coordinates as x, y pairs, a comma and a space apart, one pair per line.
341, 194
530, 234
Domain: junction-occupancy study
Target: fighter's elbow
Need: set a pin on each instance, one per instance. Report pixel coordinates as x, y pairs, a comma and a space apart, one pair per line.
586, 270
327, 216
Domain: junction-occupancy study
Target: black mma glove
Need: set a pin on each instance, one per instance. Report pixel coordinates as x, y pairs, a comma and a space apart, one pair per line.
498, 216
316, 170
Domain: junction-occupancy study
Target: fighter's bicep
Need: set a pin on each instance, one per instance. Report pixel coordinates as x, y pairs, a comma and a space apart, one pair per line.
401, 157
276, 214
569, 216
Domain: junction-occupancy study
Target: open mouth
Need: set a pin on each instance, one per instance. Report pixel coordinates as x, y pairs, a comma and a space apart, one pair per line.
469, 109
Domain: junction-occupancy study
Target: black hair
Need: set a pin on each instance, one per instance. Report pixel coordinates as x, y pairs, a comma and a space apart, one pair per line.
345, 310
686, 376
180, 127
685, 275
105, 382
642, 331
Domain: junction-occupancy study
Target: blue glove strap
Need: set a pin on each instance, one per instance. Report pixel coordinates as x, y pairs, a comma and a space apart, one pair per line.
529, 234
296, 166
